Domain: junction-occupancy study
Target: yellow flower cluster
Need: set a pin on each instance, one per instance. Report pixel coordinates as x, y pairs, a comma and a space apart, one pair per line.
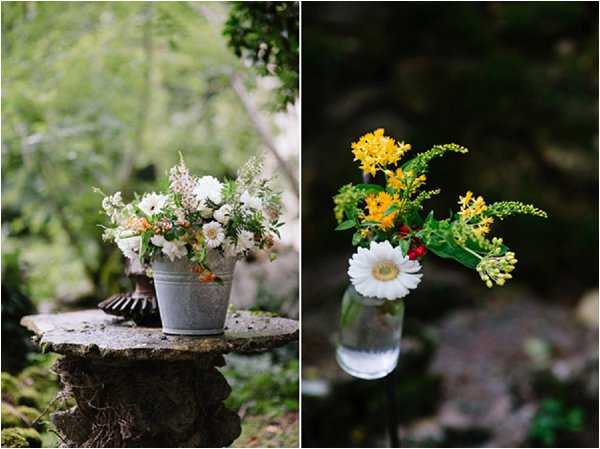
377, 205
471, 207
375, 151
400, 180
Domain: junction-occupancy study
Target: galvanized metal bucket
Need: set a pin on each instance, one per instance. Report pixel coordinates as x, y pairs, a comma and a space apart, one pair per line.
188, 306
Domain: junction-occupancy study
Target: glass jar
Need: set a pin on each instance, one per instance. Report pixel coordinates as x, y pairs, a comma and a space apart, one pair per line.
369, 335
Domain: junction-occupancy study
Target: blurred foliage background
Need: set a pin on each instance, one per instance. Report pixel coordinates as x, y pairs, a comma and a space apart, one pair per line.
105, 95
516, 83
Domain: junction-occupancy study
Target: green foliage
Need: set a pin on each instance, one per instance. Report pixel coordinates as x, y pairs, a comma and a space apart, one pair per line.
552, 419
261, 386
267, 33
105, 94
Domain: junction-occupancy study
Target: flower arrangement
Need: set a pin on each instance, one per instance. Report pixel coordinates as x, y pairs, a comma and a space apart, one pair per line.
393, 235
196, 216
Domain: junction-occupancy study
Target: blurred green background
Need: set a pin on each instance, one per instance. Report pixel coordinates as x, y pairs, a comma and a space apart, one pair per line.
516, 83
105, 95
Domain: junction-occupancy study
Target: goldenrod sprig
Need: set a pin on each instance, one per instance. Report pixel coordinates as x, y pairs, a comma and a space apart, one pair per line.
503, 209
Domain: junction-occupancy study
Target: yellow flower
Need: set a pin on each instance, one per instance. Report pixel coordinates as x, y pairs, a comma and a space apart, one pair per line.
400, 180
377, 204
375, 150
483, 226
470, 207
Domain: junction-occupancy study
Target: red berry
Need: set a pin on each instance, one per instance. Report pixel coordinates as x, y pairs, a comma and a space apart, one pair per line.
404, 230
420, 251
412, 254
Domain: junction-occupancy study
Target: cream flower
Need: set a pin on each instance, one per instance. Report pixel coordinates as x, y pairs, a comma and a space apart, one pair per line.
174, 249
383, 271
222, 214
205, 211
208, 187
214, 234
153, 203
250, 201
245, 240
130, 246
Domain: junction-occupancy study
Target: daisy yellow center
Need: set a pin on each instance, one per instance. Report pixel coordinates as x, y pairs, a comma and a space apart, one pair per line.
211, 234
385, 271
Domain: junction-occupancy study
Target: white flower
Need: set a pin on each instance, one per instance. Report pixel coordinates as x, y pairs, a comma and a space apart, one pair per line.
222, 214
130, 246
214, 234
208, 187
250, 201
174, 249
245, 240
153, 203
383, 271
205, 211
158, 240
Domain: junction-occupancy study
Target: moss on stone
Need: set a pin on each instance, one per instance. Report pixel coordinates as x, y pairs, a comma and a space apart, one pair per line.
29, 413
10, 416
30, 397
14, 437
10, 387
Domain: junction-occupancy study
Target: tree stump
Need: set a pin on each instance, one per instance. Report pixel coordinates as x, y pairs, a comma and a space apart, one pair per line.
136, 387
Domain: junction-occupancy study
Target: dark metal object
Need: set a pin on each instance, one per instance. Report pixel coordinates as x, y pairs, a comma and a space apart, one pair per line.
392, 411
140, 305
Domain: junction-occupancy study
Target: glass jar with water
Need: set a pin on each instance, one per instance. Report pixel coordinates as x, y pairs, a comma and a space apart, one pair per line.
369, 336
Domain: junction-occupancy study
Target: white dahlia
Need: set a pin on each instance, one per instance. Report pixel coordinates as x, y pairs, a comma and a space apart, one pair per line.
213, 233
153, 203
383, 271
208, 187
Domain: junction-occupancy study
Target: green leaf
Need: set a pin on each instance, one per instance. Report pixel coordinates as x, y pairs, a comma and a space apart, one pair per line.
369, 188
390, 210
345, 225
367, 223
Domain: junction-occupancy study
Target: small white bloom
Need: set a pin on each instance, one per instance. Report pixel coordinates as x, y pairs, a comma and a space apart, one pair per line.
180, 214
130, 246
153, 203
208, 187
250, 201
222, 214
214, 234
174, 249
245, 240
205, 211
158, 240
383, 271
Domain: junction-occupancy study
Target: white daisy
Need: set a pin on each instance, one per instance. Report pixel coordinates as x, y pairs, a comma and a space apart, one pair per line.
208, 187
130, 246
153, 203
250, 201
214, 234
383, 271
222, 214
158, 240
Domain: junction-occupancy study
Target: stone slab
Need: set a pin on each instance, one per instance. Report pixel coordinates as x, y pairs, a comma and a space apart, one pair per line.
94, 334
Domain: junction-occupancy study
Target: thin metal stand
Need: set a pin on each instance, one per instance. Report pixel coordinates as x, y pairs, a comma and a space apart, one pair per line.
392, 411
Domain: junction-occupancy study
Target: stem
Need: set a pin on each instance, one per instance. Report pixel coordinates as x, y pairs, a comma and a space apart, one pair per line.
472, 252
